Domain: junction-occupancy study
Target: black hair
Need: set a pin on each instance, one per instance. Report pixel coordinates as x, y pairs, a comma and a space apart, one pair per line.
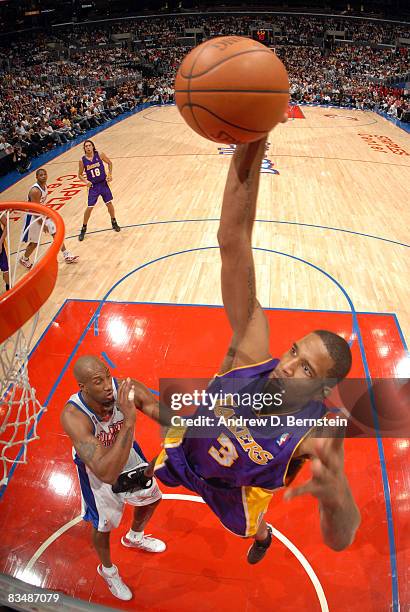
339, 351
40, 170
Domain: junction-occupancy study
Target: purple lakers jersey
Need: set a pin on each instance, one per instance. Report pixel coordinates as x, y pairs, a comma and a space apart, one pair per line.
239, 447
94, 169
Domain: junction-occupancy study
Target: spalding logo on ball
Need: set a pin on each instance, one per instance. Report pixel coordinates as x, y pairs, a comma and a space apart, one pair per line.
232, 89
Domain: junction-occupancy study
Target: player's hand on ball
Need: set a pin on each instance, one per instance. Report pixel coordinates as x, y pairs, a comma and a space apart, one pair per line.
221, 69
126, 395
328, 483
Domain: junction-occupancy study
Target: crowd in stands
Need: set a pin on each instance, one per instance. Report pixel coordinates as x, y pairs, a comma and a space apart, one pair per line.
299, 28
56, 87
342, 77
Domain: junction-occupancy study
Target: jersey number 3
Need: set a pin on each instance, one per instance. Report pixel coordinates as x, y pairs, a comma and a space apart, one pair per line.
227, 452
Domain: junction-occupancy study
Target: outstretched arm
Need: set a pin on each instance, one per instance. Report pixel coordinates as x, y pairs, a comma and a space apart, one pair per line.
147, 403
339, 515
250, 341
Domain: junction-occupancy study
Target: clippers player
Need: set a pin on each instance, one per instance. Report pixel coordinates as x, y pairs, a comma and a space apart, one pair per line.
33, 223
100, 420
91, 169
236, 468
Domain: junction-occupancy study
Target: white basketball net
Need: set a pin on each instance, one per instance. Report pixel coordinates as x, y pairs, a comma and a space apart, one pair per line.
19, 408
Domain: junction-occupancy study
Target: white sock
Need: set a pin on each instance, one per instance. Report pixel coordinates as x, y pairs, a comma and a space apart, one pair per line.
66, 253
135, 536
109, 571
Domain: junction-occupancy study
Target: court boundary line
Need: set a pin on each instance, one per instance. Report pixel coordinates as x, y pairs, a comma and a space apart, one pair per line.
358, 312
108, 360
272, 158
278, 222
196, 499
95, 317
52, 538
385, 480
400, 331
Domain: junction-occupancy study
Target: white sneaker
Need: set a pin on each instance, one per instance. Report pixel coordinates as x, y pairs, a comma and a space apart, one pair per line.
115, 584
70, 258
146, 543
25, 262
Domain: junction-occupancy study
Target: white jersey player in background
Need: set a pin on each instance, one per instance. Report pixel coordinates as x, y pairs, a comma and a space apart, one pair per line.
32, 225
100, 422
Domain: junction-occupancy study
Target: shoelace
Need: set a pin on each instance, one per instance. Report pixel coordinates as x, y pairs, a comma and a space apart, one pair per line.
113, 577
147, 536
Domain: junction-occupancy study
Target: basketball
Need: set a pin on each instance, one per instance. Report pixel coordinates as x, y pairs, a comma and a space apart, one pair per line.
232, 89
385, 408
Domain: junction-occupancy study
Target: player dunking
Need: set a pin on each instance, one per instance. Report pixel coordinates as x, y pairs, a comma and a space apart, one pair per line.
92, 169
33, 223
236, 468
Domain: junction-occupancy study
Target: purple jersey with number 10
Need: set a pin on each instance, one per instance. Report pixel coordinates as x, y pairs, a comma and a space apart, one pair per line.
94, 169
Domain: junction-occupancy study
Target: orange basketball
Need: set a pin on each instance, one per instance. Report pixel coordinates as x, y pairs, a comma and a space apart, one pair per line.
232, 89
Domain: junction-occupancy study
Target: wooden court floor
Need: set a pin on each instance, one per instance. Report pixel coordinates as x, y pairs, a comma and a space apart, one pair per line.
332, 235
340, 202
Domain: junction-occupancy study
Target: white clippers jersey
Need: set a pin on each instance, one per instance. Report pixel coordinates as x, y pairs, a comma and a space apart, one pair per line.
100, 505
44, 193
31, 233
106, 431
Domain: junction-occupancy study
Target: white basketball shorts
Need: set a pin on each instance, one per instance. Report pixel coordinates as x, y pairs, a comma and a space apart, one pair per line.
34, 229
102, 507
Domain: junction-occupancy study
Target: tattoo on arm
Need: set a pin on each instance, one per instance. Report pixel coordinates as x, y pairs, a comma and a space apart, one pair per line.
251, 292
248, 187
231, 352
86, 450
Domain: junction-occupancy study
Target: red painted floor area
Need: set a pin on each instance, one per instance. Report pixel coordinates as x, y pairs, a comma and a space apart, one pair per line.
204, 565
295, 112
